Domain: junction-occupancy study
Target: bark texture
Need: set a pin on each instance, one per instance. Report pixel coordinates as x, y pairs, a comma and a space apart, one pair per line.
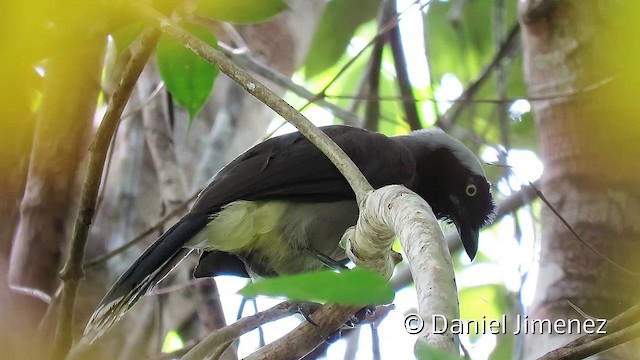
581, 57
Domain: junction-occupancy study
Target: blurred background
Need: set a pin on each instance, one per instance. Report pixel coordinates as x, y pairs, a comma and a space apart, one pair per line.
544, 91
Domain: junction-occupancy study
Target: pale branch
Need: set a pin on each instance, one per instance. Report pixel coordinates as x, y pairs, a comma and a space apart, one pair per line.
248, 62
72, 272
402, 276
402, 74
397, 210
347, 168
229, 333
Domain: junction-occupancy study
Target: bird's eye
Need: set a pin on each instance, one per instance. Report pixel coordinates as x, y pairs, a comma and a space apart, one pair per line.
471, 190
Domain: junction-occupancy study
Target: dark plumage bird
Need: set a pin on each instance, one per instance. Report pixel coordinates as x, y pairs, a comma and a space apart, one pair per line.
282, 207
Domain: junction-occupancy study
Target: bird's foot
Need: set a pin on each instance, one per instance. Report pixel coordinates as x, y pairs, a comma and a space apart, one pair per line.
328, 261
360, 316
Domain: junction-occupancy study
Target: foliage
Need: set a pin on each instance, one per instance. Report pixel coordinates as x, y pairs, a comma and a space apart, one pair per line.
350, 287
337, 27
460, 42
187, 76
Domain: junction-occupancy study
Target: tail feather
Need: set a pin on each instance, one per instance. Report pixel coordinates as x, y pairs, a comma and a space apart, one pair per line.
150, 268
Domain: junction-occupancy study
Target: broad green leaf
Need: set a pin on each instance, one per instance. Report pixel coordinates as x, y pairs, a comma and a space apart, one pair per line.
187, 76
241, 11
356, 287
339, 22
423, 351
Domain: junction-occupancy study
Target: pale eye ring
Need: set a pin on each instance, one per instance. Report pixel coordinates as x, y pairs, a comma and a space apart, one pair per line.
471, 190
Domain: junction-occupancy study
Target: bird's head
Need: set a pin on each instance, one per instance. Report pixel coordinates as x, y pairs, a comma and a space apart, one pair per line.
451, 179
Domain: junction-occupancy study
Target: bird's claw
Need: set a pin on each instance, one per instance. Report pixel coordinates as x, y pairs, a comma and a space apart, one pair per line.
333, 337
305, 309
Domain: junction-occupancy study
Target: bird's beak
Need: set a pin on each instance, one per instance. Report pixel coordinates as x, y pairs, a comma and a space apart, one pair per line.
468, 233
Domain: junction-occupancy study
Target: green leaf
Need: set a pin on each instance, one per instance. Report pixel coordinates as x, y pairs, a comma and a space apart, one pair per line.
339, 22
356, 287
241, 11
187, 76
426, 352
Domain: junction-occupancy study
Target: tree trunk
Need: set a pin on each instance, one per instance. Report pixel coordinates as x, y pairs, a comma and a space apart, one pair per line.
64, 121
581, 59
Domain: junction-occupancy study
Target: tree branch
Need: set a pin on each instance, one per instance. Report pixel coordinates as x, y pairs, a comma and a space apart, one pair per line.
400, 63
63, 127
249, 63
72, 270
623, 328
402, 276
99, 260
397, 210
507, 47
371, 85
223, 336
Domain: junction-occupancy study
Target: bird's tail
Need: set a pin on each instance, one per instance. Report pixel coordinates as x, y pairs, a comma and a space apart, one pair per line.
150, 268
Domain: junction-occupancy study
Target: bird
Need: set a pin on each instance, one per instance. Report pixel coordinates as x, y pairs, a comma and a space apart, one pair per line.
282, 207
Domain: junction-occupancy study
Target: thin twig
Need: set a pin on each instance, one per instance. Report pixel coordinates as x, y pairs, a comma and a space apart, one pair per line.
589, 345
577, 237
393, 22
100, 260
507, 47
556, 96
402, 74
248, 62
72, 272
371, 84
580, 311
231, 332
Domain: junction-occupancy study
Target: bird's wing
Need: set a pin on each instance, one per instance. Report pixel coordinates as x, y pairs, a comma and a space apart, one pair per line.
290, 167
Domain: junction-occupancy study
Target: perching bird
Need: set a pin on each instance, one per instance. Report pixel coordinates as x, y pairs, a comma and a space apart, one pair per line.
282, 208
